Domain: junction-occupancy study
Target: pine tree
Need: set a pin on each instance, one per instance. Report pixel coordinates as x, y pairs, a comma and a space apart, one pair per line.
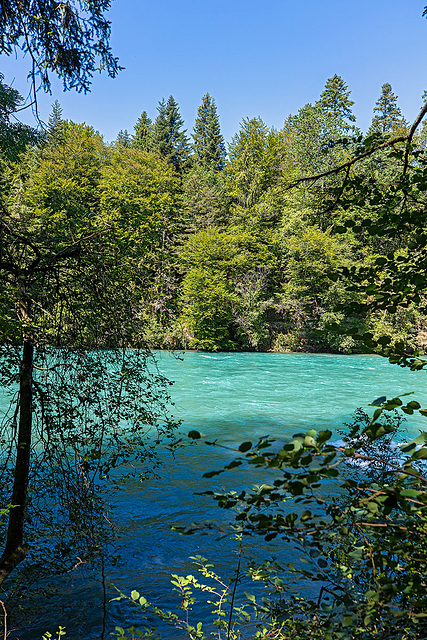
55, 124
143, 138
389, 114
169, 138
208, 146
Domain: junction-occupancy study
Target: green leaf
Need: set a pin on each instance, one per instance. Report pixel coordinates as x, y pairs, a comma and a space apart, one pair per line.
347, 621
421, 454
245, 446
250, 597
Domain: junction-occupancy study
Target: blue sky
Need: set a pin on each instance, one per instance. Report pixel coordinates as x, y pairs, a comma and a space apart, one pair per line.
256, 58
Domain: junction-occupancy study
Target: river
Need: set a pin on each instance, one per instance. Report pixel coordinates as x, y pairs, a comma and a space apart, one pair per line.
230, 398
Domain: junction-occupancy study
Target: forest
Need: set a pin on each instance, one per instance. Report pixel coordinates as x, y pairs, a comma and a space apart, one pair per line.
231, 250
308, 238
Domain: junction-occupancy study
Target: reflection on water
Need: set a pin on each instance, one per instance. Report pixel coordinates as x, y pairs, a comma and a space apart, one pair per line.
229, 398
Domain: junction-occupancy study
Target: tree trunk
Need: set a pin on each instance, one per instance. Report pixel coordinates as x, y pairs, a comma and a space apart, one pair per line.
14, 551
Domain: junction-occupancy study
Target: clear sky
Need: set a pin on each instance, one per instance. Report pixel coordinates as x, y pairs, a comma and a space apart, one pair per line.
255, 58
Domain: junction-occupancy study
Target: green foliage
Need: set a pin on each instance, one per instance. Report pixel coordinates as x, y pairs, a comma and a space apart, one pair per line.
364, 545
204, 200
137, 193
313, 139
68, 292
142, 138
14, 136
390, 285
335, 99
168, 137
71, 40
388, 116
208, 143
59, 634
55, 124
225, 289
61, 187
229, 619
206, 309
123, 139
254, 160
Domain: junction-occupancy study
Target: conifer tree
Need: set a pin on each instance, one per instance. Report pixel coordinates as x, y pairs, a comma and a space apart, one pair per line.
388, 114
123, 138
208, 146
335, 99
55, 124
143, 138
169, 138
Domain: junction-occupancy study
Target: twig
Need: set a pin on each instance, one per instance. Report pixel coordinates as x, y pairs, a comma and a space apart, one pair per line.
4, 619
235, 586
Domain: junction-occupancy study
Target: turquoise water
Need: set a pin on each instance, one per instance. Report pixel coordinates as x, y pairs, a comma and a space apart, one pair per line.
230, 398
242, 395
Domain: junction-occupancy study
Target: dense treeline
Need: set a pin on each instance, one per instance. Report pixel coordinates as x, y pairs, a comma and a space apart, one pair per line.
230, 252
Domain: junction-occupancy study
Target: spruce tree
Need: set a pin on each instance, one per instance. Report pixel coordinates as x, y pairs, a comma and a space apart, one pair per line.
168, 137
335, 100
388, 114
123, 138
208, 145
55, 124
143, 138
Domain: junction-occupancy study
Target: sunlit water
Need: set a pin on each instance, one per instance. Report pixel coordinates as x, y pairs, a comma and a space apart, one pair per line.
230, 398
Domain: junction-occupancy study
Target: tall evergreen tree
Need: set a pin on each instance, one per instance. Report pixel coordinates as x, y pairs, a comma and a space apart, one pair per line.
143, 137
208, 146
335, 99
55, 124
388, 114
123, 138
254, 161
168, 137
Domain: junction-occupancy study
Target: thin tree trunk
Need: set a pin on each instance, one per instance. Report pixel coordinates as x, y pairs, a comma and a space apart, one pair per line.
14, 551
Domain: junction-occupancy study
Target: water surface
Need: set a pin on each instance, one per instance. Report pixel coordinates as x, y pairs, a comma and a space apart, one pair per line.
230, 398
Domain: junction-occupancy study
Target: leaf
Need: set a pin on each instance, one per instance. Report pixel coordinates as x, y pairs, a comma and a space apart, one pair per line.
347, 621
245, 446
421, 454
310, 442
413, 404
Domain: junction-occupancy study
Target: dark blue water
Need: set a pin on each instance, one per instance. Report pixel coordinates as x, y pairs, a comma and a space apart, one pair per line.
230, 398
